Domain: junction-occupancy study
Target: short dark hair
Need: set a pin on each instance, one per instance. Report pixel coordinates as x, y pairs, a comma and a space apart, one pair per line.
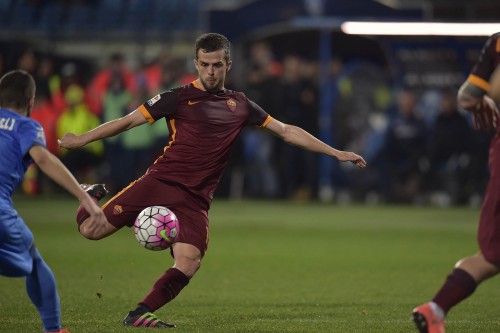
17, 87
211, 42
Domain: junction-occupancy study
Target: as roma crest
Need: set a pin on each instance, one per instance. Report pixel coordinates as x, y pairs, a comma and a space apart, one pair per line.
231, 104
117, 210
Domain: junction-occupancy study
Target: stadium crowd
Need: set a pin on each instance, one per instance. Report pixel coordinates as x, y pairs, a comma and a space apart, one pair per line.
417, 151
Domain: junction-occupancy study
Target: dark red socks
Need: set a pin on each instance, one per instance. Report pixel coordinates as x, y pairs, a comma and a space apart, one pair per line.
458, 286
165, 289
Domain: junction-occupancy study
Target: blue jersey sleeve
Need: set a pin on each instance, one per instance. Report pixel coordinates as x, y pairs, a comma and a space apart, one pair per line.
32, 134
17, 135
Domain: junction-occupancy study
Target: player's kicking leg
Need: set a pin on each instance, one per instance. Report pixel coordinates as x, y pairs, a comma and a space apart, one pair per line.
88, 230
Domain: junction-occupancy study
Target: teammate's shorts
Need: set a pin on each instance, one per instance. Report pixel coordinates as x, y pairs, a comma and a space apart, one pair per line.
16, 245
489, 223
488, 235
123, 208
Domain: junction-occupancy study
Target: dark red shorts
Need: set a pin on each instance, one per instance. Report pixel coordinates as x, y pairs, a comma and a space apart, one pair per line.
488, 235
123, 208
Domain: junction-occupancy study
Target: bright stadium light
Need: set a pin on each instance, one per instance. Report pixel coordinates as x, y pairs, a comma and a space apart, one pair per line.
419, 28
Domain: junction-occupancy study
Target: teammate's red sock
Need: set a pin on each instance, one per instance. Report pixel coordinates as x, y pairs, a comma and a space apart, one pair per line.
165, 289
458, 286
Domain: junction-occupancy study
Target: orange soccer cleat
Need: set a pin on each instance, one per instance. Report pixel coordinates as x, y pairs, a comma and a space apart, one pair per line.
426, 320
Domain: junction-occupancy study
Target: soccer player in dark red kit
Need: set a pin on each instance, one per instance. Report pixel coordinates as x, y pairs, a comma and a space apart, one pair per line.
469, 272
203, 120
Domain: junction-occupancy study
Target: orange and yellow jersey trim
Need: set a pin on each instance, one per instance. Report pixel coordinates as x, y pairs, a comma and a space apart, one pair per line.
479, 82
146, 114
267, 121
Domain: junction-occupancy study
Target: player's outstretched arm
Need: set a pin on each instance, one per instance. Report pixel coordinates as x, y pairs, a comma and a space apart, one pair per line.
56, 170
106, 130
298, 137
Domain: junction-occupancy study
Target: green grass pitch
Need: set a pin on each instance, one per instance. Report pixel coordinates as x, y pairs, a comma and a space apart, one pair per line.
270, 267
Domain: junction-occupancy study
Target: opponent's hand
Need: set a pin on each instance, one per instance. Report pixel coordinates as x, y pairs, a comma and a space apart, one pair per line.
347, 156
97, 220
70, 141
91, 207
485, 115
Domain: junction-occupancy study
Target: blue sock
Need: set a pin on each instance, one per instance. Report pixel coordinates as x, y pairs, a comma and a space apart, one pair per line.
41, 287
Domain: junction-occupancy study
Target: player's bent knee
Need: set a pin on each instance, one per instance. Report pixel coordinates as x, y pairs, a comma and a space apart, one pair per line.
188, 268
95, 232
187, 258
479, 266
89, 233
491, 264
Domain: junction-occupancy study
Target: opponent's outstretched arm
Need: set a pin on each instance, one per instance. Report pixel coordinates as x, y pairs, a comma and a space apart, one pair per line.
296, 136
106, 130
55, 169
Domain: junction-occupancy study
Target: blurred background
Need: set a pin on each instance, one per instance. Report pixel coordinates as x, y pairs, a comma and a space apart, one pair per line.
390, 98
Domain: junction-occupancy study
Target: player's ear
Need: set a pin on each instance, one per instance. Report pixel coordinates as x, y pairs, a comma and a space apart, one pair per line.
229, 66
29, 107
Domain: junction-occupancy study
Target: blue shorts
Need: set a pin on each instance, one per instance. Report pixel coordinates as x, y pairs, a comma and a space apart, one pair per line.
16, 245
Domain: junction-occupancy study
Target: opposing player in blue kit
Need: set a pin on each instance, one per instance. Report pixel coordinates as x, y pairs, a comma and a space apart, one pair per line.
22, 141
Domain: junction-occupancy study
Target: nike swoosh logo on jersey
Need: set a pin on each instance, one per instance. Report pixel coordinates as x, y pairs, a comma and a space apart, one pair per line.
193, 103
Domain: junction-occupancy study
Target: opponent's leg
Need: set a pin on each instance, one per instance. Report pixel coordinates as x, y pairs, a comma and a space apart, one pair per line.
15, 242
20, 258
167, 287
41, 287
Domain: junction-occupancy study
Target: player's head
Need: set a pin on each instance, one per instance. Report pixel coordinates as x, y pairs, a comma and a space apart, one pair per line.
17, 91
212, 60
212, 42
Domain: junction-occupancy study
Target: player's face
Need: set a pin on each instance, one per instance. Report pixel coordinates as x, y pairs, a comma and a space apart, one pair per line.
212, 68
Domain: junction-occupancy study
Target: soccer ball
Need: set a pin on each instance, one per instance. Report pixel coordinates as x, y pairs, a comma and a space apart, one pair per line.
156, 228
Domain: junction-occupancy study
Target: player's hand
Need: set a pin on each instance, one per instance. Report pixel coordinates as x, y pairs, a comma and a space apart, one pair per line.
70, 141
485, 115
347, 156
